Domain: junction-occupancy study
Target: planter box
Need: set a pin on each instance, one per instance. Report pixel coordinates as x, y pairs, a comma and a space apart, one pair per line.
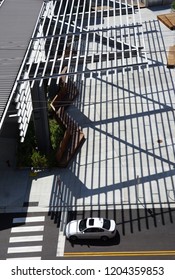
63, 145
149, 3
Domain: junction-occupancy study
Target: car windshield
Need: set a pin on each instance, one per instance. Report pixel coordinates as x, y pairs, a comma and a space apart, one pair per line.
82, 224
106, 224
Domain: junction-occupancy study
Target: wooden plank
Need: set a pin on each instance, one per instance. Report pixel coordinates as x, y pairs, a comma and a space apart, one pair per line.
168, 20
171, 18
164, 20
171, 57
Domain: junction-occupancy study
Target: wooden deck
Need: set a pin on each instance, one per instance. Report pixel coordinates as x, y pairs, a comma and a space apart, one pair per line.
168, 20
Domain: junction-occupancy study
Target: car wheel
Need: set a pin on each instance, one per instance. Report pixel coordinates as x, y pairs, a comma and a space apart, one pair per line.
73, 238
104, 238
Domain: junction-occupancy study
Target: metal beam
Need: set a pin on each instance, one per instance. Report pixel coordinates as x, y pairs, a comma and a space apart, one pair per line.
87, 71
84, 32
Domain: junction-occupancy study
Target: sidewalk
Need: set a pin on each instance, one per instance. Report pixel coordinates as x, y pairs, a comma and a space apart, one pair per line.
18, 189
20, 192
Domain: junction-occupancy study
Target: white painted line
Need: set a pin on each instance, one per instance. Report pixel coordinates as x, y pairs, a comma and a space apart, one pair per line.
26, 249
28, 219
61, 236
26, 238
27, 229
61, 244
25, 258
37, 209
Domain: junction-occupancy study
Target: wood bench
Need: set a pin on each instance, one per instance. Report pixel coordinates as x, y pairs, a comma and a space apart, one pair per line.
171, 57
168, 20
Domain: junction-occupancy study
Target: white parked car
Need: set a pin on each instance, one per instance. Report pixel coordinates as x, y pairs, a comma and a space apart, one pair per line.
91, 228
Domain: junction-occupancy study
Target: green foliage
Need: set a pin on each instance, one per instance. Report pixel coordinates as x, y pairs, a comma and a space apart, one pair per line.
29, 156
56, 133
173, 5
38, 160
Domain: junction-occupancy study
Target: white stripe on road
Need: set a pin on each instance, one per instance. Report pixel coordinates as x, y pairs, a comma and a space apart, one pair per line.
61, 236
26, 238
28, 219
27, 229
61, 244
25, 258
26, 249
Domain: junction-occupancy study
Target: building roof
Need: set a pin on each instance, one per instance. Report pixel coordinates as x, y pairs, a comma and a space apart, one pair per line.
17, 22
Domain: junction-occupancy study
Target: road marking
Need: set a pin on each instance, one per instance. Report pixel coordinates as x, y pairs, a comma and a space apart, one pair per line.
25, 249
61, 244
119, 254
61, 236
25, 258
28, 219
26, 238
19, 238
27, 229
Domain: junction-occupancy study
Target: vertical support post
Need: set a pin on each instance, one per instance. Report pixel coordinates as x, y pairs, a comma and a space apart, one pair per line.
40, 117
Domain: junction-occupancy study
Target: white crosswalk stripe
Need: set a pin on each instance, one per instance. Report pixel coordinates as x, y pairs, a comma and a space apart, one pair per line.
29, 219
26, 238
24, 249
26, 242
27, 229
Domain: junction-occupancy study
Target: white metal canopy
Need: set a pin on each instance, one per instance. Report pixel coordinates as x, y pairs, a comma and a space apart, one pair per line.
82, 35
87, 37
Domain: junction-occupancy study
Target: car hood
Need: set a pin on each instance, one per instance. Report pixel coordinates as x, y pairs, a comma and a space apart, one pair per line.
72, 228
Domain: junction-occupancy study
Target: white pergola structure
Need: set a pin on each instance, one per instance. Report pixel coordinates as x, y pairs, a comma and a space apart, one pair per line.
87, 37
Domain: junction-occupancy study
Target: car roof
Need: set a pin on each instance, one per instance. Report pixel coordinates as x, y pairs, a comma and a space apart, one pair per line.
95, 222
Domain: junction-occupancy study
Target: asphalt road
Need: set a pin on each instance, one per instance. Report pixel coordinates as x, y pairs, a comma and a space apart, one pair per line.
142, 234
43, 226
